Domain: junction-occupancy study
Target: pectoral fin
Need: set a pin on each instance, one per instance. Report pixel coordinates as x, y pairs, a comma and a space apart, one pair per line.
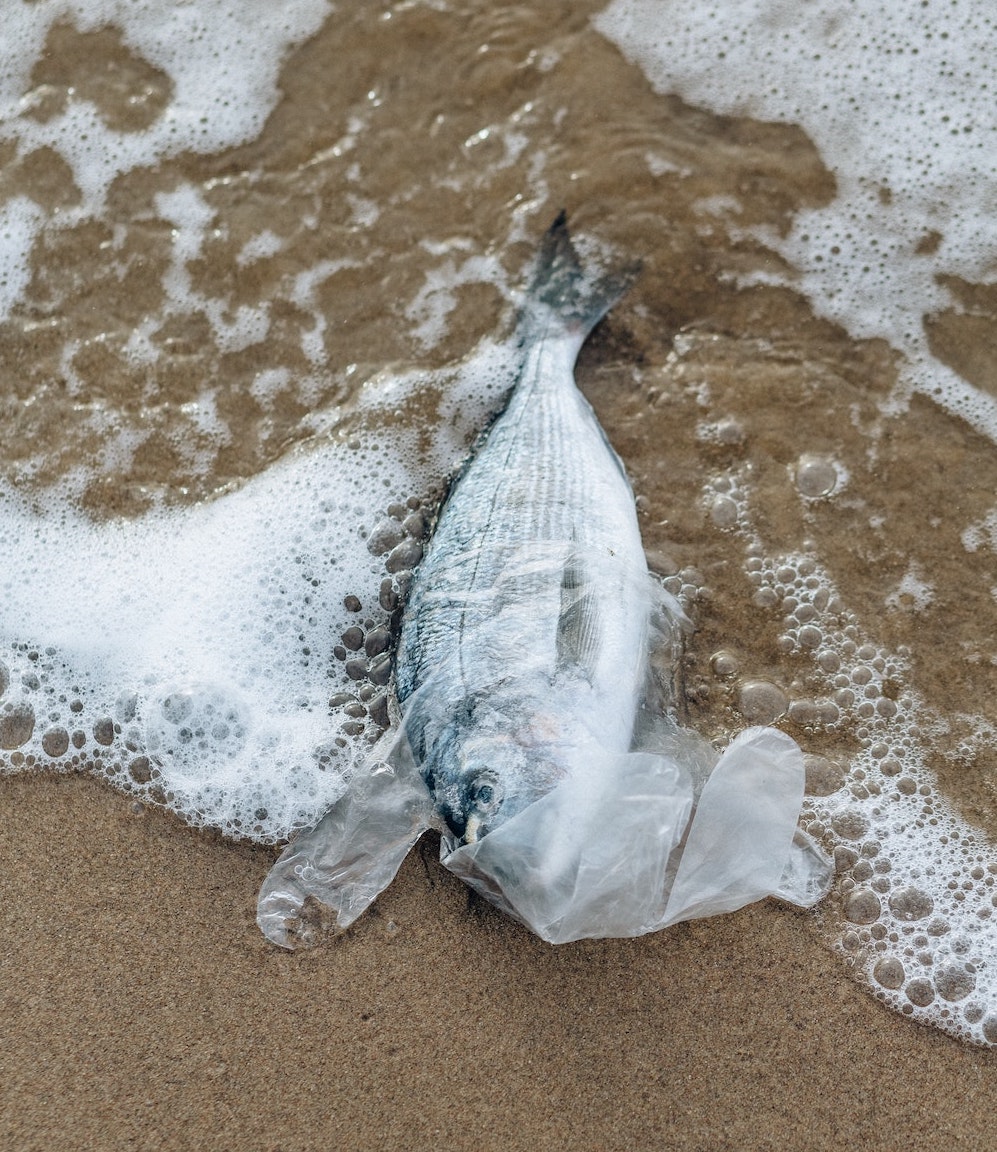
332, 873
578, 624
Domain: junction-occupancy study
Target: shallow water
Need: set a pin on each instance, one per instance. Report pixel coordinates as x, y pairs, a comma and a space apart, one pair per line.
300, 307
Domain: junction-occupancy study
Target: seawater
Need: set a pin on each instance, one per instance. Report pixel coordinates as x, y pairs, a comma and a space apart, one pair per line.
257, 277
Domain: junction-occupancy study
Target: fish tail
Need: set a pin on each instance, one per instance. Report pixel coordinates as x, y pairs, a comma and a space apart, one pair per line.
561, 285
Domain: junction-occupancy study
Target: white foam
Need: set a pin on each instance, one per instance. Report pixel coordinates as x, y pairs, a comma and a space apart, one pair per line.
898, 96
19, 220
981, 534
268, 385
436, 299
914, 593
189, 657
303, 293
259, 247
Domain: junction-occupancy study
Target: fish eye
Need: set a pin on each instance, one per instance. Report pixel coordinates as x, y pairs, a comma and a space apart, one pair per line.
484, 794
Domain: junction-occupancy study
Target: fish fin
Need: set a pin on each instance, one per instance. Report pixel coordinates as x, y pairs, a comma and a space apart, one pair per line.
578, 625
331, 874
563, 286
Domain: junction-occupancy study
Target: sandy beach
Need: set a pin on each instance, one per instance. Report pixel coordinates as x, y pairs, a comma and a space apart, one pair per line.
210, 311
143, 1010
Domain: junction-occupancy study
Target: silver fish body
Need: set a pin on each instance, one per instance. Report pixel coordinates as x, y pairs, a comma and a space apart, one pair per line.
525, 634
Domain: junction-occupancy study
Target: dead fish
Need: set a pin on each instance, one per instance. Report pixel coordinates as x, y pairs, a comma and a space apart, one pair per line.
523, 678
525, 633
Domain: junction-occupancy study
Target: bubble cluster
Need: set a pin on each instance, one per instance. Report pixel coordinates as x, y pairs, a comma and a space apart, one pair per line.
914, 907
366, 647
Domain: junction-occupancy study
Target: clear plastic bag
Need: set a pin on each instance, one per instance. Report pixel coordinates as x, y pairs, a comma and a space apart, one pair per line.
326, 877
617, 849
621, 847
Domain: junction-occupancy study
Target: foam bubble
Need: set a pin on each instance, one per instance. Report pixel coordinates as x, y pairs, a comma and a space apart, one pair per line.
816, 475
761, 701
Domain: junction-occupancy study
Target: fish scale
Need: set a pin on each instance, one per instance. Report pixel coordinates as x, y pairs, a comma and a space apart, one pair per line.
545, 486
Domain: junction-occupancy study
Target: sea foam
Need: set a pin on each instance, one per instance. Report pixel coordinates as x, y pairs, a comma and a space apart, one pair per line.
218, 65
898, 98
215, 658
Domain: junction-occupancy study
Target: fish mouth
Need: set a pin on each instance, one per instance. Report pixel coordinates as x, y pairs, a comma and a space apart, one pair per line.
474, 829
455, 821
467, 828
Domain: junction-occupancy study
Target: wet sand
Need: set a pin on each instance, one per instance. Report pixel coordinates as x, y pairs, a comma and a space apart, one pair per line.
142, 1009
141, 1006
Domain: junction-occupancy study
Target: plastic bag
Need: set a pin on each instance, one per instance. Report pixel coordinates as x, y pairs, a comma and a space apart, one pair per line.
619, 848
326, 877
612, 851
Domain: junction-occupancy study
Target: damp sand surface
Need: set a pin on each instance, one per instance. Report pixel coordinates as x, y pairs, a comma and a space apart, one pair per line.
221, 309
144, 1010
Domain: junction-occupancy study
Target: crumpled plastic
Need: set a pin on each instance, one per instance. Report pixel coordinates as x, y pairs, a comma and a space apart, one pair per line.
621, 847
327, 876
617, 849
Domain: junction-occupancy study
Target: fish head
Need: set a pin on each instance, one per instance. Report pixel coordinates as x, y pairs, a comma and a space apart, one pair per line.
481, 780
